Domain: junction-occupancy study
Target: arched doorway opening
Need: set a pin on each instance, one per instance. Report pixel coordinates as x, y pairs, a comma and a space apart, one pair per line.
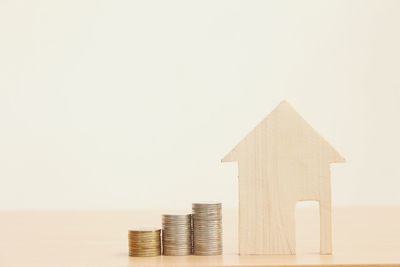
307, 227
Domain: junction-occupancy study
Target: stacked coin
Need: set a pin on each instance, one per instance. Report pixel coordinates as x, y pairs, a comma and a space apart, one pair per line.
177, 234
145, 242
207, 229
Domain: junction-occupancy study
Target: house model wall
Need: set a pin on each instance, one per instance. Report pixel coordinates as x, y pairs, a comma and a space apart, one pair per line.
282, 161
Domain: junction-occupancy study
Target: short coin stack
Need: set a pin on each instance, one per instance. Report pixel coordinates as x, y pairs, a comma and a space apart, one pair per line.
207, 229
177, 234
145, 242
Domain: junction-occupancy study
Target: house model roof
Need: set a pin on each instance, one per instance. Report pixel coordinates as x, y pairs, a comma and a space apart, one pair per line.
286, 134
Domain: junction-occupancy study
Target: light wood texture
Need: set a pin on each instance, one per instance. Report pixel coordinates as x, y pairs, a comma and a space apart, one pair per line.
362, 236
281, 161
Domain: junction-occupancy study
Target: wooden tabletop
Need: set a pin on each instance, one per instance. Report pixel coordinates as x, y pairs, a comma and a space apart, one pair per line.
362, 236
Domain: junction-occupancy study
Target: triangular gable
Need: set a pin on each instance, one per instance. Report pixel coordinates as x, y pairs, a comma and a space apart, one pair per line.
286, 120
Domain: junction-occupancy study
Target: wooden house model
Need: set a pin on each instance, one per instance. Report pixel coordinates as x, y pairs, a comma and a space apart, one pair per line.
282, 161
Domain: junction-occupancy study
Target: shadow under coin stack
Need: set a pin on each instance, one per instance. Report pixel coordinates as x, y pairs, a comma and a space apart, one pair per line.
207, 229
145, 242
177, 234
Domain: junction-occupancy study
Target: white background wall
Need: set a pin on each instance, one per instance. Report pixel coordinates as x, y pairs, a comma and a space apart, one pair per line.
131, 104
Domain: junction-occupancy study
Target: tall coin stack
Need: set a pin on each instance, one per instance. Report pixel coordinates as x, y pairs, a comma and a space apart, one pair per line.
177, 234
144, 242
207, 229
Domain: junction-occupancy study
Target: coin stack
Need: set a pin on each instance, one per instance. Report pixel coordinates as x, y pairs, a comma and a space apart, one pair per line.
144, 242
177, 234
207, 229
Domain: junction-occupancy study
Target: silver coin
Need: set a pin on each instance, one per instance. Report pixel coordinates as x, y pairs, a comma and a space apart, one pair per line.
207, 228
177, 234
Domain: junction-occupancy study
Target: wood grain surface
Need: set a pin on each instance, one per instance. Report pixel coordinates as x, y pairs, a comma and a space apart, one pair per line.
362, 236
282, 161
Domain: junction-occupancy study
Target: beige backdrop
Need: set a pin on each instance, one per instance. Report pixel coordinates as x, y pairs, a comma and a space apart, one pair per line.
119, 104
